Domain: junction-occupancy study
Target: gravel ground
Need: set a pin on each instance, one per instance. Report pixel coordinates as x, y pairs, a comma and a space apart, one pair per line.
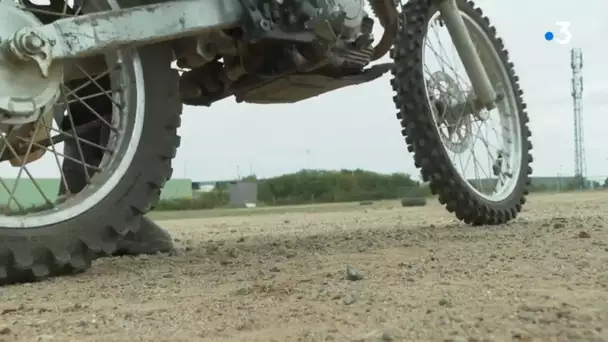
377, 273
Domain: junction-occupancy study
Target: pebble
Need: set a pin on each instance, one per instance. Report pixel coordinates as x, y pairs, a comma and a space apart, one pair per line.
353, 274
387, 337
349, 299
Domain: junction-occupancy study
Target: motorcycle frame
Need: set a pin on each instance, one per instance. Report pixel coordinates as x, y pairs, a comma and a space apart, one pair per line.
94, 33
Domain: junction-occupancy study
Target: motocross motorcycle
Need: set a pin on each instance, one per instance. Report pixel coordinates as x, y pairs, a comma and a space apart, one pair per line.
123, 69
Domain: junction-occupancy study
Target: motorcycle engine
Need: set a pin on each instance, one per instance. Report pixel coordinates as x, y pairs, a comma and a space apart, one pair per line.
345, 16
287, 51
329, 19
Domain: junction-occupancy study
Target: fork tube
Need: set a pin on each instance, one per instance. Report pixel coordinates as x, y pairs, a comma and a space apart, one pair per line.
486, 96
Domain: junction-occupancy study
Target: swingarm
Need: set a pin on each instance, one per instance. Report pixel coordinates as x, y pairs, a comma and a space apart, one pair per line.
92, 34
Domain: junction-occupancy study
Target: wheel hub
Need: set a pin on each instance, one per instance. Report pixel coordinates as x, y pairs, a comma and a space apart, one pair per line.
452, 112
25, 93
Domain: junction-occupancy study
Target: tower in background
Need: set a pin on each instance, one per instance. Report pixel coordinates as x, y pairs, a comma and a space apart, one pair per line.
580, 166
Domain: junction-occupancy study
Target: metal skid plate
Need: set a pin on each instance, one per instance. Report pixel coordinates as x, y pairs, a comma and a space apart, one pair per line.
24, 92
294, 88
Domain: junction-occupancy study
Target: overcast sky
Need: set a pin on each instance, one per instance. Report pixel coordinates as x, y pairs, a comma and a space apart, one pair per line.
356, 127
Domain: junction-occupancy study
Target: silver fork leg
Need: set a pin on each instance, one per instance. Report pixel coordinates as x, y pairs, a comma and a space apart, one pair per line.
486, 96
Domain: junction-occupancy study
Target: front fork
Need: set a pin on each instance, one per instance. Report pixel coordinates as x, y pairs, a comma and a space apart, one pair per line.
450, 14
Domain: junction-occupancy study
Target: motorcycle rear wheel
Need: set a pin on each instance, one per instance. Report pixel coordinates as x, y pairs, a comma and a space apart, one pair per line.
65, 239
417, 114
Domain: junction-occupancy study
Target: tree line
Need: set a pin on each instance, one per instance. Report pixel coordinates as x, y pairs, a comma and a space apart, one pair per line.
320, 186
311, 186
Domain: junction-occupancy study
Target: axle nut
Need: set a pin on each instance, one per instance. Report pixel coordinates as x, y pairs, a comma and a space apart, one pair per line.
32, 43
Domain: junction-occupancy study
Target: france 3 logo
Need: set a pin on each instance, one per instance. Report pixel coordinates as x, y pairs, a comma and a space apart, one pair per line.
563, 34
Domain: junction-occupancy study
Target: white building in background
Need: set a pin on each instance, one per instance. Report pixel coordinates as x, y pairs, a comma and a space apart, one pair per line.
207, 186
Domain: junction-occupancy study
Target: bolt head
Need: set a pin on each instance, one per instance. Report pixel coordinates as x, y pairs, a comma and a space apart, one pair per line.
32, 43
35, 41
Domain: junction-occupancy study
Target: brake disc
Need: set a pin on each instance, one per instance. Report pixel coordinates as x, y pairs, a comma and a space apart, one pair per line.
453, 124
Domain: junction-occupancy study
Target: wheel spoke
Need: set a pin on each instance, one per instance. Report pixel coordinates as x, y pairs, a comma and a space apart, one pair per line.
84, 98
102, 89
72, 159
78, 145
79, 139
94, 112
23, 168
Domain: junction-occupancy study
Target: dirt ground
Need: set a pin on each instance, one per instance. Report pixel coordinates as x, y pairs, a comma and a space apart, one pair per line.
416, 275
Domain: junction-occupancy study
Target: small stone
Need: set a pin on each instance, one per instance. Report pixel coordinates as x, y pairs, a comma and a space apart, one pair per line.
232, 253
558, 225
521, 336
349, 299
4, 330
275, 269
387, 337
583, 235
243, 291
456, 339
244, 326
288, 253
353, 274
444, 302
224, 261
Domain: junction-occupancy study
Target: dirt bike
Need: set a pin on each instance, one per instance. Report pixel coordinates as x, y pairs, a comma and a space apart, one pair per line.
124, 68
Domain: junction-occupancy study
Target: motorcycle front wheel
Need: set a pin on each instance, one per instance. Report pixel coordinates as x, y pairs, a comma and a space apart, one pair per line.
446, 133
140, 114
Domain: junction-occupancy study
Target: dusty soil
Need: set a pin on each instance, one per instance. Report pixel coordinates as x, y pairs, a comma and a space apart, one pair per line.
282, 277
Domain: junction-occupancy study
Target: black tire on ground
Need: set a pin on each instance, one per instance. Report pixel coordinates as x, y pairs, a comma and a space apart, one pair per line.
30, 254
421, 134
413, 201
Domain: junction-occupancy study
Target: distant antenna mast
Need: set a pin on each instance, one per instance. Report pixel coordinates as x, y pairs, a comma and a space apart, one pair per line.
580, 166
